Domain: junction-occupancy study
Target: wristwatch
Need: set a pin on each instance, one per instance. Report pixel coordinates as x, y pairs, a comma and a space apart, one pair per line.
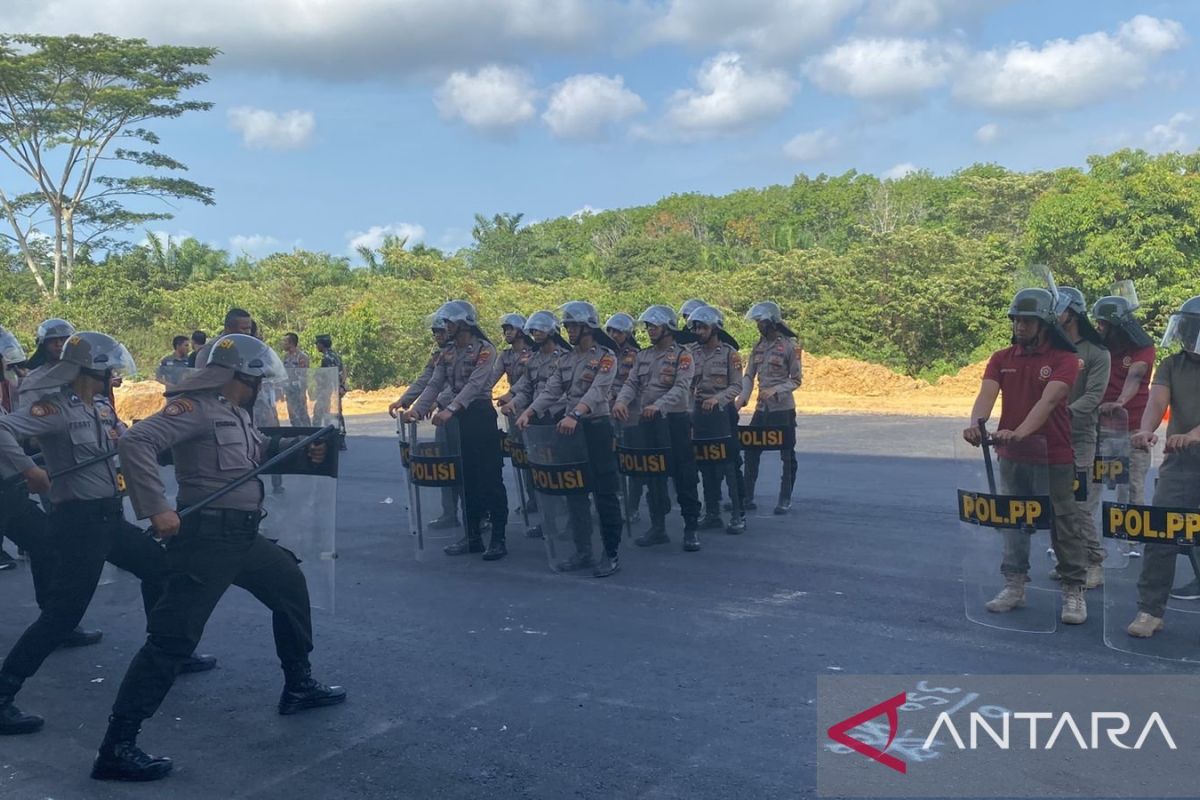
575, 415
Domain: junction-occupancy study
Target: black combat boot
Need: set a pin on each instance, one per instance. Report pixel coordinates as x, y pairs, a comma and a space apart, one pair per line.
691, 541
471, 543
120, 759
301, 692
737, 524
606, 566
13, 721
712, 519
496, 548
81, 638
655, 534
197, 663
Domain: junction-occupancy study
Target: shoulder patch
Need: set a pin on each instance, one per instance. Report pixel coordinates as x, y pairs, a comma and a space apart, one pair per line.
606, 363
485, 355
43, 408
180, 405
799, 351
737, 359
685, 360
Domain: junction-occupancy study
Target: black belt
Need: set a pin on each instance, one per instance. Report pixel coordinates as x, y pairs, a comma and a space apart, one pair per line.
231, 518
106, 506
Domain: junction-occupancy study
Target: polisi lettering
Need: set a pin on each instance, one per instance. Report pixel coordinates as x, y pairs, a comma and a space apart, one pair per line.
761, 438
639, 463
558, 479
710, 451
435, 471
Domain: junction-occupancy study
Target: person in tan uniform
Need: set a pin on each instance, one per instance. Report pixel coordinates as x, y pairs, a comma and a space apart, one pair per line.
776, 362
549, 346
659, 390
620, 327
717, 386
511, 363
580, 384
468, 373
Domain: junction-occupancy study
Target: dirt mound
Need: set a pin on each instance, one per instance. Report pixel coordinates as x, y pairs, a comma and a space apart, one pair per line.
831, 386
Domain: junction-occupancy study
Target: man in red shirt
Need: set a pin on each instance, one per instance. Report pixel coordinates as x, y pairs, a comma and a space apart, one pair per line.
1132, 352
1035, 376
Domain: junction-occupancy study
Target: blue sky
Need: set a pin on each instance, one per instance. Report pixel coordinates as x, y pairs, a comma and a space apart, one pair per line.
336, 122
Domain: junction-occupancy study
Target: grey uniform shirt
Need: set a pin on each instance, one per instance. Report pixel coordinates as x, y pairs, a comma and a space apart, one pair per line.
1085, 396
777, 364
418, 386
211, 440
69, 433
26, 398
626, 357
538, 369
580, 376
466, 370
661, 376
511, 364
718, 373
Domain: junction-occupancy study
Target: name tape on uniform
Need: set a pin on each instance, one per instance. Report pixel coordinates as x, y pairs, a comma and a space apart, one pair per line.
1151, 523
559, 478
1111, 471
435, 470
642, 463
1004, 511
711, 451
753, 437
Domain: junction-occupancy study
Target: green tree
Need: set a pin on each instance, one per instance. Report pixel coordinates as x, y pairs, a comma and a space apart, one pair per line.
66, 105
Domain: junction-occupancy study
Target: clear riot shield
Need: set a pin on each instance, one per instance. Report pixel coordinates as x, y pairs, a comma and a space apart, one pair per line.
300, 513
1110, 480
1005, 515
435, 475
307, 397
643, 452
511, 442
1163, 582
559, 471
168, 376
713, 445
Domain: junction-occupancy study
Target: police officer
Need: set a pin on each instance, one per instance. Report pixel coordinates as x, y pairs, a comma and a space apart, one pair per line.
511, 363
620, 327
549, 346
661, 386
295, 391
75, 423
717, 385
580, 384
237, 320
468, 373
1133, 355
685, 310
776, 362
1176, 387
450, 495
324, 405
1084, 405
50, 338
21, 519
1034, 377
208, 427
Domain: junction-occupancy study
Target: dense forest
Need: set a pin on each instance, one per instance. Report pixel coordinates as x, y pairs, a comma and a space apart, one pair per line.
914, 273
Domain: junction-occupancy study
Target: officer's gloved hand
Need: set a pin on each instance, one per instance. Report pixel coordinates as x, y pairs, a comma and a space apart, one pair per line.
316, 452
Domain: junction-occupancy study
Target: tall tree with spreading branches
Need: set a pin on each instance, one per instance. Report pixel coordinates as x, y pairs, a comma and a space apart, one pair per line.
67, 105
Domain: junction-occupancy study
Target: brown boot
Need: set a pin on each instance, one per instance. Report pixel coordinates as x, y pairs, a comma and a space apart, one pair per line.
1010, 597
1074, 610
1144, 625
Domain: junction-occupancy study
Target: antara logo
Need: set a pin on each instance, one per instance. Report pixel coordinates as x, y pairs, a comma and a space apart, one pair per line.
840, 732
1113, 724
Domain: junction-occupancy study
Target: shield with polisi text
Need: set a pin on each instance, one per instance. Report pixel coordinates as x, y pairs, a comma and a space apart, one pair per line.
435, 513
560, 473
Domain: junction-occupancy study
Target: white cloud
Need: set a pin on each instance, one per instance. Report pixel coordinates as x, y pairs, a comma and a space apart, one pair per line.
810, 146
910, 16
729, 96
351, 40
899, 171
373, 237
585, 106
986, 134
1170, 135
1064, 74
273, 130
586, 211
494, 99
255, 244
770, 28
883, 69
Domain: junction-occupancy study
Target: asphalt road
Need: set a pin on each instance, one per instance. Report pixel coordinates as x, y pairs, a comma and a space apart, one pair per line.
687, 675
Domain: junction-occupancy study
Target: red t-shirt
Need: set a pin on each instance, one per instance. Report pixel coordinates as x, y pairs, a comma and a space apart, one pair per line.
1122, 360
1023, 377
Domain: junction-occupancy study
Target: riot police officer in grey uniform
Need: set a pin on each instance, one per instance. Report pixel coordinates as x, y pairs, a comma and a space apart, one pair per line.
661, 387
580, 384
49, 340
75, 423
208, 427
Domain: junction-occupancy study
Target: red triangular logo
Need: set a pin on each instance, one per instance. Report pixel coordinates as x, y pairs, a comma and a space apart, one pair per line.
840, 732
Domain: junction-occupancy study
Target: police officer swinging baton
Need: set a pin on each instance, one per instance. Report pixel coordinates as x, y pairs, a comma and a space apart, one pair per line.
279, 458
